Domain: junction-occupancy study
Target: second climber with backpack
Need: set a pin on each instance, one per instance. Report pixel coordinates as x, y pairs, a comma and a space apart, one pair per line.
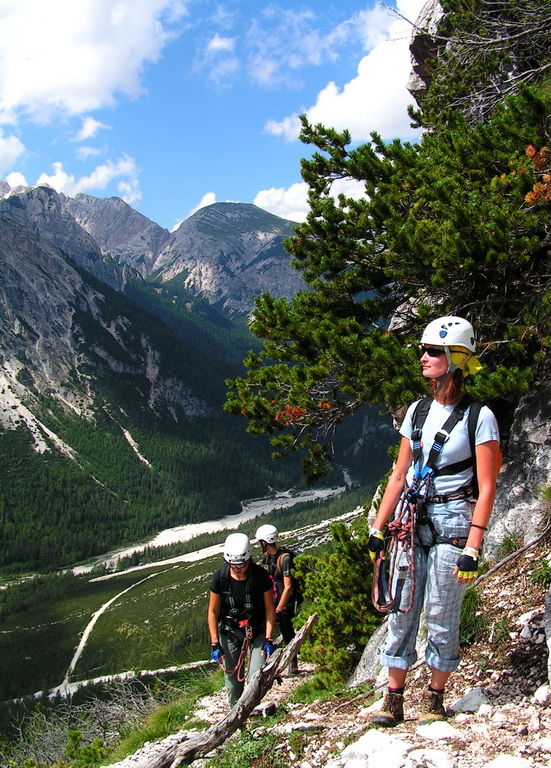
440, 495
279, 562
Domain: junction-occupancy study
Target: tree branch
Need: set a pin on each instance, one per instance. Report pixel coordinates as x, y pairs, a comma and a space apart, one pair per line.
190, 749
512, 556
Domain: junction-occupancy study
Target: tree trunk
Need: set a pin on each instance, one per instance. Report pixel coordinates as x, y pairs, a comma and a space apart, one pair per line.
190, 749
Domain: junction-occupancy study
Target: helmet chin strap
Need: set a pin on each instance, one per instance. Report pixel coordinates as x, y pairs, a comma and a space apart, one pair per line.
441, 380
451, 369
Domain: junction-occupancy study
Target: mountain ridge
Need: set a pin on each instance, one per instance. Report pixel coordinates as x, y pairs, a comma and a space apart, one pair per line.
227, 253
87, 372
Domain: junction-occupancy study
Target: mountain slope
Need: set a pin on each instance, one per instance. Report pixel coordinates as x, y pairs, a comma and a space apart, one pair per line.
112, 425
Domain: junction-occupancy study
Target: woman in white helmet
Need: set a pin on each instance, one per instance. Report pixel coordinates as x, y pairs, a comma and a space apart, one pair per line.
434, 476
241, 615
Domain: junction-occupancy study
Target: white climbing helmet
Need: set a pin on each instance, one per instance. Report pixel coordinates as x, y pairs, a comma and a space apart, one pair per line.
450, 331
237, 549
267, 533
456, 336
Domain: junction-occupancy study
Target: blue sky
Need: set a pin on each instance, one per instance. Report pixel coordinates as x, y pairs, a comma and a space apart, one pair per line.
174, 104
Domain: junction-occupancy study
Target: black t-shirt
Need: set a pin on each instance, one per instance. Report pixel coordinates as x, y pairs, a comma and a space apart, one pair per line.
259, 584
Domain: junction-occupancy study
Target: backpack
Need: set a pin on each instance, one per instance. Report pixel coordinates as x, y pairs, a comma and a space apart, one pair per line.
283, 552
419, 416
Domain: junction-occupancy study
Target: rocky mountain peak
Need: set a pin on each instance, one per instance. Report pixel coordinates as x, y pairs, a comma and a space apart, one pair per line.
39, 212
236, 218
227, 253
128, 236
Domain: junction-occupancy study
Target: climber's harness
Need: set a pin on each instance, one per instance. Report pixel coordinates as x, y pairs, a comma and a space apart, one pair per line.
411, 513
236, 625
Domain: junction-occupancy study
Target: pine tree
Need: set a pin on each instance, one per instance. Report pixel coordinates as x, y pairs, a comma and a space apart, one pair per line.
454, 225
337, 587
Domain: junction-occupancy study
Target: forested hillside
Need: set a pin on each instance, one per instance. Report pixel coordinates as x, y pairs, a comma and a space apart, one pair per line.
112, 387
112, 420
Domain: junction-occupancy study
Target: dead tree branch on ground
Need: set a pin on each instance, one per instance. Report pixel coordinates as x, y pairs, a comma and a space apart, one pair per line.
199, 745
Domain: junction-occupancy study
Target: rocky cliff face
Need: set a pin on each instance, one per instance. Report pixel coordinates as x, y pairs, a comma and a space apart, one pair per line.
54, 321
119, 230
424, 47
521, 509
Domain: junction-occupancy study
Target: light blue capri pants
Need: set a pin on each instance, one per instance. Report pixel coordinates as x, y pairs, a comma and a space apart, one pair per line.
436, 590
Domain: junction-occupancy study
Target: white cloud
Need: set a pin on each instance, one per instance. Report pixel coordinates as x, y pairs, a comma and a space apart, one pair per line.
289, 127
129, 190
281, 42
74, 57
292, 203
208, 199
273, 44
83, 153
16, 179
10, 150
218, 59
221, 44
89, 128
288, 203
377, 98
123, 169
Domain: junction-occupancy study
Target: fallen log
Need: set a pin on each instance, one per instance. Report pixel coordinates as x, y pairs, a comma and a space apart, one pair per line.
199, 745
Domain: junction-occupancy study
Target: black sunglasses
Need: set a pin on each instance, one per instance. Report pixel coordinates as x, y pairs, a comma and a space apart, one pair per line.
433, 351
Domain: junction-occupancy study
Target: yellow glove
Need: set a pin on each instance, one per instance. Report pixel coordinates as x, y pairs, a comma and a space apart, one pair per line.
376, 543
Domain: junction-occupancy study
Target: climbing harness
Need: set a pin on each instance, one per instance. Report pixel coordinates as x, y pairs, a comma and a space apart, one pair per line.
412, 510
244, 655
237, 623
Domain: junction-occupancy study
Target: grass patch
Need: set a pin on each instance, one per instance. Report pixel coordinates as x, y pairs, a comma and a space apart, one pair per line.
171, 717
473, 624
509, 546
250, 750
542, 574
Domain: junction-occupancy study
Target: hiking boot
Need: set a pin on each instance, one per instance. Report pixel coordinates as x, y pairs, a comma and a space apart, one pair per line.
432, 707
392, 711
293, 666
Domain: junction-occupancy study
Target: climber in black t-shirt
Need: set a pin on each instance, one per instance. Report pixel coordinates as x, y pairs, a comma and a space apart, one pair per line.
279, 563
241, 615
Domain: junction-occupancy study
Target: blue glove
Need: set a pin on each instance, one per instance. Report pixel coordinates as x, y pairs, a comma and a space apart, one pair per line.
216, 651
268, 647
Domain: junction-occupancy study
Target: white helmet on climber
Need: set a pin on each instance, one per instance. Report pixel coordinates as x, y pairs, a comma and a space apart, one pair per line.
456, 337
237, 549
267, 533
450, 331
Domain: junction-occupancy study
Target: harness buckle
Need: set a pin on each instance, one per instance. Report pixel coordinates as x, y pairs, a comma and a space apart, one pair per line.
440, 438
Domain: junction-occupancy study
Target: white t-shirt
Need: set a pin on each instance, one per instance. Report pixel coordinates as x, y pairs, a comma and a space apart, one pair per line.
456, 448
